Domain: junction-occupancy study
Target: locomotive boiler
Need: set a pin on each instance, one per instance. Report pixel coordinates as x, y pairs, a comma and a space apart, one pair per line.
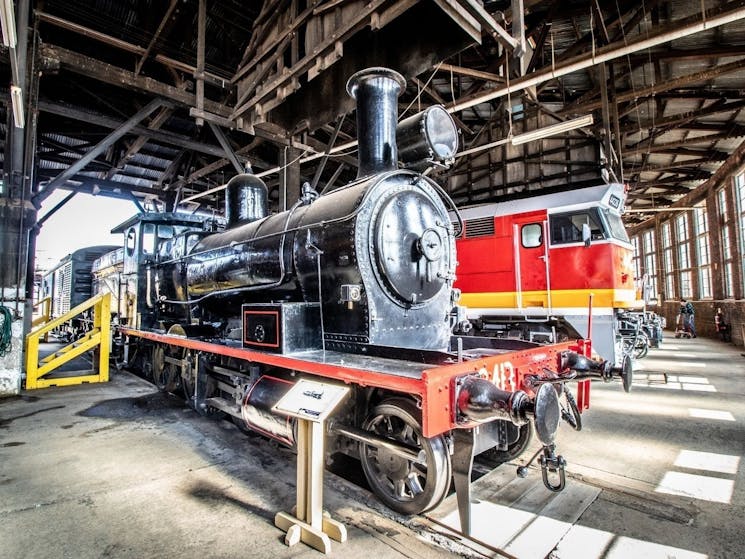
375, 259
353, 287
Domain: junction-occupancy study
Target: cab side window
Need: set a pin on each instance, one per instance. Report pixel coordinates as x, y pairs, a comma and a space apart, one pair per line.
531, 235
567, 228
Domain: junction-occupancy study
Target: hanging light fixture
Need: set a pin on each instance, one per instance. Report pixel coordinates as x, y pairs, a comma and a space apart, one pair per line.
8, 22
16, 100
552, 130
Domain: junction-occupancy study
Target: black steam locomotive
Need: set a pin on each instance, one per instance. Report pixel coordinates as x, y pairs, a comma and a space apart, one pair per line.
375, 259
353, 287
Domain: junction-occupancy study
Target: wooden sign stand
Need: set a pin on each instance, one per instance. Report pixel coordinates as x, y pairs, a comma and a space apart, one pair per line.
310, 403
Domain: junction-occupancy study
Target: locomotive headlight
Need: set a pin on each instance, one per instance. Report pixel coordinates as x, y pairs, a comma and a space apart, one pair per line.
426, 138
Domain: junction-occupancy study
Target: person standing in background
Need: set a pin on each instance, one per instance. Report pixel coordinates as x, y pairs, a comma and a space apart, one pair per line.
687, 312
723, 328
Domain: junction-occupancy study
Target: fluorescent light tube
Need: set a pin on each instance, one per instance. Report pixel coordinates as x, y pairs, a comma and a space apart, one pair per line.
552, 130
16, 99
8, 22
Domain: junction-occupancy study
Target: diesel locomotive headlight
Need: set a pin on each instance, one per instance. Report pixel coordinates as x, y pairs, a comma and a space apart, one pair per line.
427, 138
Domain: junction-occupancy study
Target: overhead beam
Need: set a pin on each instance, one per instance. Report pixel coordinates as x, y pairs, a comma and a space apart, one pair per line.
156, 36
709, 138
274, 84
735, 161
201, 45
471, 73
232, 157
104, 121
108, 73
659, 87
251, 58
324, 160
40, 222
155, 123
681, 166
216, 80
88, 185
682, 118
219, 164
683, 28
462, 17
688, 54
103, 145
492, 27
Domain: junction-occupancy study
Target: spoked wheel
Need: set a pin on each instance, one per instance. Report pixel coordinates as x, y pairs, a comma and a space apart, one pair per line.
641, 346
167, 376
188, 386
404, 485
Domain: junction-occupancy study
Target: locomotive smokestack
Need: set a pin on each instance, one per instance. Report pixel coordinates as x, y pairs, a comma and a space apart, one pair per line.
376, 91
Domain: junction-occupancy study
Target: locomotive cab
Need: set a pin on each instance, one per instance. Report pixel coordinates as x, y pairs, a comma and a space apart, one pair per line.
150, 240
586, 225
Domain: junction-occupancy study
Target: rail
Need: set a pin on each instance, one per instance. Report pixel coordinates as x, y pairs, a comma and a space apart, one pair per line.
97, 338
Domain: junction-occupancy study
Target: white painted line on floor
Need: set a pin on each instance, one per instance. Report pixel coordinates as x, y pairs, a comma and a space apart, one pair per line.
589, 543
705, 488
708, 461
719, 415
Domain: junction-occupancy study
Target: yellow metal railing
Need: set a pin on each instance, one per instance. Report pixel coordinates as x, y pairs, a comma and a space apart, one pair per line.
43, 309
37, 370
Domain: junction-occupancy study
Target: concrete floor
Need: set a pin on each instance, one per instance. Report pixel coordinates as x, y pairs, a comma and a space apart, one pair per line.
667, 456
118, 470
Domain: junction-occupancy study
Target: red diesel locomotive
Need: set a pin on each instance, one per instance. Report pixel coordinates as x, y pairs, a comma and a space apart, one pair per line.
549, 267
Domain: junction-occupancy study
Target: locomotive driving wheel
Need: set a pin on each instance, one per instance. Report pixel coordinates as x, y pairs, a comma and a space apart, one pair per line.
404, 485
198, 389
166, 373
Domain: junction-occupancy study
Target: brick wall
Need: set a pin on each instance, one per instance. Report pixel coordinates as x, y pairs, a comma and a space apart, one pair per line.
734, 312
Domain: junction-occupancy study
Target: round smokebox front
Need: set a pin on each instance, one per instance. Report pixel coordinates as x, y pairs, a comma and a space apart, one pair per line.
410, 245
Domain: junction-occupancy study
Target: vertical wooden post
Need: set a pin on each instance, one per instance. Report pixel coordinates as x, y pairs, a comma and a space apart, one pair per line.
310, 403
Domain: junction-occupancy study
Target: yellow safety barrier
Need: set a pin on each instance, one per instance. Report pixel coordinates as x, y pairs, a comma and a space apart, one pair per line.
99, 335
44, 314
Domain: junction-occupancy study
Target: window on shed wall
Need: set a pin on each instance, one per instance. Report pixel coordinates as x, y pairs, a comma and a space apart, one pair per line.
636, 243
684, 255
703, 254
650, 262
740, 197
725, 239
667, 260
